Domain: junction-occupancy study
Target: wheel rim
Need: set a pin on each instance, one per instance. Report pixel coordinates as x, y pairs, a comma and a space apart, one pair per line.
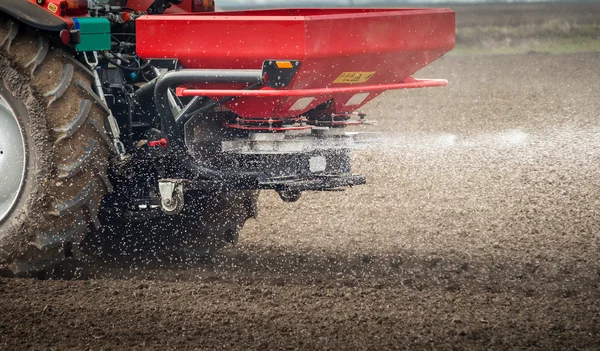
12, 159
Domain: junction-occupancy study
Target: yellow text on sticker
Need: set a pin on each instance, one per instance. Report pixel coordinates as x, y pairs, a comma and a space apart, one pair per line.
354, 77
52, 7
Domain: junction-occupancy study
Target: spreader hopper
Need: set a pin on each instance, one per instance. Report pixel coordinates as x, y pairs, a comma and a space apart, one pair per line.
306, 57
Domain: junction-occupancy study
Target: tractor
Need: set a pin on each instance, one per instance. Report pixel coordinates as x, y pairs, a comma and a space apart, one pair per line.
151, 126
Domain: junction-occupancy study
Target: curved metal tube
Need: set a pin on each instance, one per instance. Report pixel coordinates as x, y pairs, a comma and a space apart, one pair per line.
174, 133
175, 78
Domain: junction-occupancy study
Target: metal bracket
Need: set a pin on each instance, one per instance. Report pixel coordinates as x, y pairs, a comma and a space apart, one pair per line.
171, 195
92, 64
112, 121
279, 73
289, 195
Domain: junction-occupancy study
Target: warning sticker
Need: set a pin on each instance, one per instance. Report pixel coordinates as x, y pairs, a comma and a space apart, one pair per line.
52, 7
354, 77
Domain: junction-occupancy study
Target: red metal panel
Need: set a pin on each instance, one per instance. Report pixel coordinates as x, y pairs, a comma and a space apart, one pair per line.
391, 43
216, 41
53, 6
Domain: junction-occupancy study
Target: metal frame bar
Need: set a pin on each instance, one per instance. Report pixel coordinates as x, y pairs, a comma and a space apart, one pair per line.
172, 125
409, 83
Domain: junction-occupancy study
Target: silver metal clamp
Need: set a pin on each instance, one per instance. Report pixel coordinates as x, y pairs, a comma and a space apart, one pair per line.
171, 195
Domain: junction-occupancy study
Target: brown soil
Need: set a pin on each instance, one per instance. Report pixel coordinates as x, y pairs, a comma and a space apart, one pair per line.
526, 14
526, 28
479, 229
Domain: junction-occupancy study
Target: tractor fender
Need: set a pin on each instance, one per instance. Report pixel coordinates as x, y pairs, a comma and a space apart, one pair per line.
33, 15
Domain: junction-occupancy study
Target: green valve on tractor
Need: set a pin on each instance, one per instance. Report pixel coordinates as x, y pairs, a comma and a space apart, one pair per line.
94, 33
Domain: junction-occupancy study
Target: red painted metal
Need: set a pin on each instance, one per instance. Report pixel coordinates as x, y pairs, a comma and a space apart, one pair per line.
270, 92
54, 7
273, 120
329, 42
392, 43
65, 36
159, 143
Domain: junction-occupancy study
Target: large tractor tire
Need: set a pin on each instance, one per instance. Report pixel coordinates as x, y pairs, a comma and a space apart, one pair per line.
54, 152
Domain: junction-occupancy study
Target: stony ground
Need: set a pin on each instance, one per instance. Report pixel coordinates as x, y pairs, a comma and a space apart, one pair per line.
479, 229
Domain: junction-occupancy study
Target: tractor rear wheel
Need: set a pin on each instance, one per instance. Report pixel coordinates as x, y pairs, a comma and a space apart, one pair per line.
54, 152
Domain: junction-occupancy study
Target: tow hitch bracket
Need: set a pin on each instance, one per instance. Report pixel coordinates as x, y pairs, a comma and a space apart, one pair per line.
171, 195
